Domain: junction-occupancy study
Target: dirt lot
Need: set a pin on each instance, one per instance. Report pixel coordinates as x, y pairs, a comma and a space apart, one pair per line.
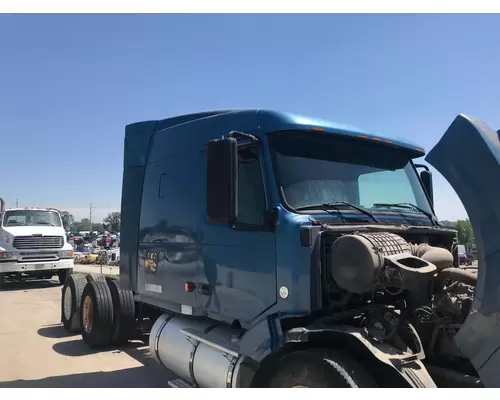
37, 352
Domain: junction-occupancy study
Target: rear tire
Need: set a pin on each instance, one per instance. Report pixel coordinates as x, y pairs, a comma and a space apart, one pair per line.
96, 317
124, 313
320, 368
70, 302
2, 281
95, 278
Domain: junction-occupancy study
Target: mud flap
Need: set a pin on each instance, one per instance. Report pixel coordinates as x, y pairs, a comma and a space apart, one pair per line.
410, 368
408, 365
477, 184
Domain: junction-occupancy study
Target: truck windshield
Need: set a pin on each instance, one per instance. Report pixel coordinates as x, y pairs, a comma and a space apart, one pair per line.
31, 218
316, 168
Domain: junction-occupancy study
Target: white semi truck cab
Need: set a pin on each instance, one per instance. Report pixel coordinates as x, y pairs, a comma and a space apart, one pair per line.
33, 244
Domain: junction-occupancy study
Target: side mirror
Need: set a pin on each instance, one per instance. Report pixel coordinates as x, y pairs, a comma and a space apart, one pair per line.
222, 180
426, 178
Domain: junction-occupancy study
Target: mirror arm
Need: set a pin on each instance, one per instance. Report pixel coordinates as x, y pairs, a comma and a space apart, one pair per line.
236, 134
422, 166
271, 217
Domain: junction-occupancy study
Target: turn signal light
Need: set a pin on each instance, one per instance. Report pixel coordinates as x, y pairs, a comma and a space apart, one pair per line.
5, 255
66, 254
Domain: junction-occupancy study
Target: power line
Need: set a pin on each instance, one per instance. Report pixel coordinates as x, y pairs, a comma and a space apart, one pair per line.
90, 217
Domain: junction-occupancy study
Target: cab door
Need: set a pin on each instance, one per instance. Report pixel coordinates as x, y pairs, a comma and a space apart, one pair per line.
239, 261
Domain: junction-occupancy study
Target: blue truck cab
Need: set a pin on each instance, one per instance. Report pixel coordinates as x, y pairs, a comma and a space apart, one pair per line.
266, 249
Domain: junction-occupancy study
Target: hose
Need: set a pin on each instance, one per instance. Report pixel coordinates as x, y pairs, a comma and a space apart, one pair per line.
440, 257
458, 274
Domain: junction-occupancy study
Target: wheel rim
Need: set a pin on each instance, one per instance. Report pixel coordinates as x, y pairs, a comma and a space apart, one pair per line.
68, 299
88, 313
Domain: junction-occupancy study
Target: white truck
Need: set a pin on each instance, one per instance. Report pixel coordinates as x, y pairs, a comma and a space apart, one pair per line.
33, 244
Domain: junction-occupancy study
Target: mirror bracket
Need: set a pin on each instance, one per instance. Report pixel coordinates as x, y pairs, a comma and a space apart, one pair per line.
422, 166
237, 134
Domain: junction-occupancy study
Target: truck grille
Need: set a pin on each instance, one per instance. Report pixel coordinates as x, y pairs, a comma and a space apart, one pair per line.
38, 242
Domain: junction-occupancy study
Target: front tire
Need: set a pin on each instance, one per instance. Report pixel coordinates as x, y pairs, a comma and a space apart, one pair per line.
320, 368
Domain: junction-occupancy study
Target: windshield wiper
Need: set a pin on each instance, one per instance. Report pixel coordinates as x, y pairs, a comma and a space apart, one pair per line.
360, 209
409, 206
336, 205
323, 207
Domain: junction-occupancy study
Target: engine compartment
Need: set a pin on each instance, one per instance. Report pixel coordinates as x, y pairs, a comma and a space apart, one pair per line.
407, 278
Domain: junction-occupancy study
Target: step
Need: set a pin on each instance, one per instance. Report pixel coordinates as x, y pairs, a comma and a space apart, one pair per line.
180, 384
229, 348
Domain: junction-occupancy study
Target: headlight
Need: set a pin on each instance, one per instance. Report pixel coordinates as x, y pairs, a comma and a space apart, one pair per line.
66, 254
6, 255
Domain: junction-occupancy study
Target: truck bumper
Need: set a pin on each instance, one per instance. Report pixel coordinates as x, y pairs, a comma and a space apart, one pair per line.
9, 267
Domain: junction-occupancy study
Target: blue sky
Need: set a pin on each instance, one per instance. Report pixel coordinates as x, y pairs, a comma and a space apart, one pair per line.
70, 83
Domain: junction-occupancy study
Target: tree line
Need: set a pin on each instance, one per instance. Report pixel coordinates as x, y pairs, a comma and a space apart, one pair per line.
111, 224
464, 230
113, 219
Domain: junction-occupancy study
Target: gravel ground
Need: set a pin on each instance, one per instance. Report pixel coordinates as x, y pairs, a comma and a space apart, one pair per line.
37, 352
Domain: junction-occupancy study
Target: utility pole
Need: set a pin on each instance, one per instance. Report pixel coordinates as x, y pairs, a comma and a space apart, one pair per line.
17, 203
90, 218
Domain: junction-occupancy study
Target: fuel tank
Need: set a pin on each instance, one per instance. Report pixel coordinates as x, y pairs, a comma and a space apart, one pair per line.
201, 364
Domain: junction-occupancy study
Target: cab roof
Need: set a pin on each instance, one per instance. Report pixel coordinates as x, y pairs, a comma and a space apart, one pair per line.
271, 121
31, 209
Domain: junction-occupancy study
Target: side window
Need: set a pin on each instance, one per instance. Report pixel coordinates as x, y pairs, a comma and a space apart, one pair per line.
251, 195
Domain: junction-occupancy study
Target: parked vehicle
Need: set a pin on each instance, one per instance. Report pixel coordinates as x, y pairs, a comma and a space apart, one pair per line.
464, 258
33, 244
263, 249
